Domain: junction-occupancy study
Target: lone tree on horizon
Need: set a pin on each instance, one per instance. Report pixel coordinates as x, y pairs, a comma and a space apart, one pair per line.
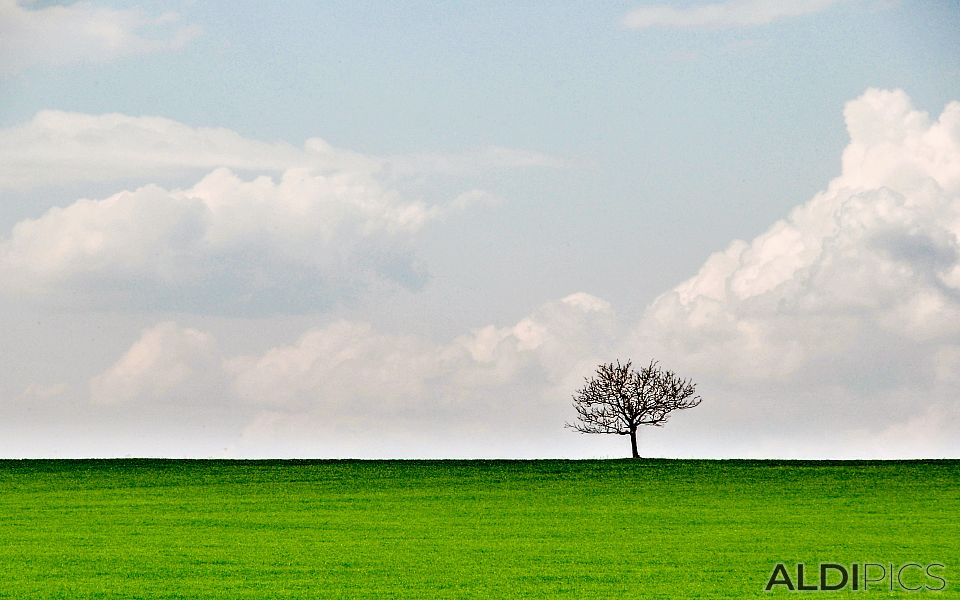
619, 399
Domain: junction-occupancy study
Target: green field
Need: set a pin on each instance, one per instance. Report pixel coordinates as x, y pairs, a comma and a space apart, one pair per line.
485, 529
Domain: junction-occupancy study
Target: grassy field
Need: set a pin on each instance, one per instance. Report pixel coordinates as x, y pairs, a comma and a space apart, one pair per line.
485, 529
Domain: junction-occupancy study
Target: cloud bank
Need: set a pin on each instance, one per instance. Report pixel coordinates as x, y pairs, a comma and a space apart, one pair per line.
82, 33
720, 15
853, 299
875, 254
227, 245
346, 389
66, 147
268, 228
58, 147
832, 334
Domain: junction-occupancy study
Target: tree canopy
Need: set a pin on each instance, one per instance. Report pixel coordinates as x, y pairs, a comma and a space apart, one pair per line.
618, 399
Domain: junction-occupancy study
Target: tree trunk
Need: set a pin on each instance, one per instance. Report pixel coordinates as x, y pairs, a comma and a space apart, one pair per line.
633, 443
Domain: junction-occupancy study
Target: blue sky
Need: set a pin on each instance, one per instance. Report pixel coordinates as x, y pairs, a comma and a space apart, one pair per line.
485, 199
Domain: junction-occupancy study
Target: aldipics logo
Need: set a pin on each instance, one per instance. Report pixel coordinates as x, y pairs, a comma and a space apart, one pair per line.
909, 577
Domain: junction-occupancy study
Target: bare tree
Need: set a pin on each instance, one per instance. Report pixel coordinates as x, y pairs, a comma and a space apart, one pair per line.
619, 399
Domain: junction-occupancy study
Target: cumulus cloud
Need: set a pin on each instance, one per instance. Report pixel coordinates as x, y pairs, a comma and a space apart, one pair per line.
346, 384
322, 225
832, 334
855, 295
57, 147
350, 368
876, 253
226, 244
167, 365
719, 15
82, 32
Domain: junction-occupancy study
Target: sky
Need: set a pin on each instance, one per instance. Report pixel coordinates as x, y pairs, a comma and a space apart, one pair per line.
372, 229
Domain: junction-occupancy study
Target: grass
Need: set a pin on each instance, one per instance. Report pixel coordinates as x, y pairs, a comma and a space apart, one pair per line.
484, 529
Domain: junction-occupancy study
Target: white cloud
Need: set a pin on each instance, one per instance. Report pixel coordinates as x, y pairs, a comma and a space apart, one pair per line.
167, 365
718, 15
346, 384
226, 244
855, 296
57, 147
835, 333
325, 225
82, 32
351, 367
875, 254
64, 147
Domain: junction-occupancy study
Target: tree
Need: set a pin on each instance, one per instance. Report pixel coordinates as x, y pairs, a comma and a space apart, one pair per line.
619, 399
